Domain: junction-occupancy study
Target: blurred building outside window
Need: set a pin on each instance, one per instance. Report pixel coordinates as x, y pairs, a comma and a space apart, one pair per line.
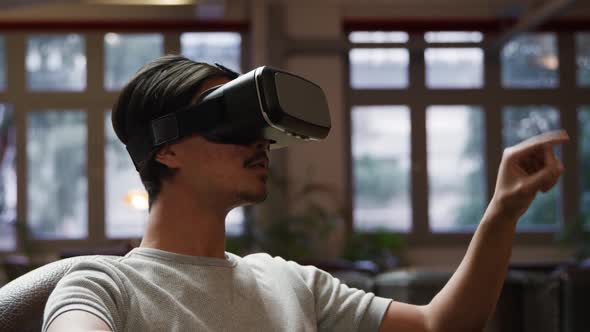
381, 167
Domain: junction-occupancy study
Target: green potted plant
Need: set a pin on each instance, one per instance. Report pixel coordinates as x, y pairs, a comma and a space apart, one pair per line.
381, 246
308, 230
576, 236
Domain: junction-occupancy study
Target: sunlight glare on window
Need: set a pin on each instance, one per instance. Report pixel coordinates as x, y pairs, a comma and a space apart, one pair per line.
126, 210
126, 53
531, 61
453, 37
234, 222
7, 178
381, 167
213, 47
56, 62
454, 68
57, 185
378, 37
379, 68
456, 167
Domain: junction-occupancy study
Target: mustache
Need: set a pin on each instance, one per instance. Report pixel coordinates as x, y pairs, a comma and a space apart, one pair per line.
260, 155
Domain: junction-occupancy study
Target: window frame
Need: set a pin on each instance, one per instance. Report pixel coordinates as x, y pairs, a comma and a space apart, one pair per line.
491, 98
94, 101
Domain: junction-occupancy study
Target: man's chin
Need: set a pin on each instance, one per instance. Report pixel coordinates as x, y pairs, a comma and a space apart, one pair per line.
249, 198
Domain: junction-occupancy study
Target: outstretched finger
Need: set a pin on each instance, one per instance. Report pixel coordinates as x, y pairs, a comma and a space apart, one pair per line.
538, 142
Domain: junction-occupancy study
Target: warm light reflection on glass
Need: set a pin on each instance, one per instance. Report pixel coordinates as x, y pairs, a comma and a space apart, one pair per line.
550, 62
137, 199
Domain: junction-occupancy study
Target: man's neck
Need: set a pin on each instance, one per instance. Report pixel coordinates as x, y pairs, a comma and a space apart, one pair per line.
179, 223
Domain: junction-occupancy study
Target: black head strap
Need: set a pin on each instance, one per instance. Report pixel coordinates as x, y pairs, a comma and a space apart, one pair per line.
171, 127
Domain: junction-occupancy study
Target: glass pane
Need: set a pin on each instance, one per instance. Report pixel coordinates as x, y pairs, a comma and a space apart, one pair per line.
584, 152
583, 58
531, 61
519, 124
378, 37
454, 67
126, 200
456, 166
7, 178
56, 178
381, 167
234, 222
56, 63
213, 47
2, 64
453, 37
126, 53
379, 68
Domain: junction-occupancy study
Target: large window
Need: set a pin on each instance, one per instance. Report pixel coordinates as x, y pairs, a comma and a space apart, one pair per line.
381, 163
126, 201
583, 58
56, 178
213, 47
126, 53
584, 161
80, 185
520, 123
454, 68
531, 61
7, 178
453, 37
379, 68
452, 140
456, 166
2, 64
56, 62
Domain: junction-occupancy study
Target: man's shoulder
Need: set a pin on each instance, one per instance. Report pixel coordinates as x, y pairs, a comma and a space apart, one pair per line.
97, 263
268, 262
262, 257
97, 268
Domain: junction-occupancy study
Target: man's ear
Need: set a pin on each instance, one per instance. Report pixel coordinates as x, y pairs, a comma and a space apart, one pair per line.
167, 155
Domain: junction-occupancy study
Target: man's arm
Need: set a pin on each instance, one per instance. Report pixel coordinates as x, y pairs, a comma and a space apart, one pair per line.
91, 294
78, 321
469, 298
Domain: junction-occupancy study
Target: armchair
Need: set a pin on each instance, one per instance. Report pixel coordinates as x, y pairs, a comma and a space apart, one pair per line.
22, 301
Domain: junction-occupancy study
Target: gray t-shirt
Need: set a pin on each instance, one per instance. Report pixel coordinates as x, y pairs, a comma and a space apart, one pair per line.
154, 290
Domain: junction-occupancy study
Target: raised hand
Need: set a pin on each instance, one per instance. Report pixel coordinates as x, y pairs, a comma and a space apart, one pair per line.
468, 299
527, 168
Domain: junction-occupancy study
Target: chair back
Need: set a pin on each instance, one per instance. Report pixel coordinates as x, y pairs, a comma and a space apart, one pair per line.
22, 301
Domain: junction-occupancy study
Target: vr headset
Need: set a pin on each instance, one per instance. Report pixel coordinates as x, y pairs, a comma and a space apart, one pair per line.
263, 103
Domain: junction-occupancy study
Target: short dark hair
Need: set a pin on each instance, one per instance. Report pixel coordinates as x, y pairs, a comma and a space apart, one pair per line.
162, 86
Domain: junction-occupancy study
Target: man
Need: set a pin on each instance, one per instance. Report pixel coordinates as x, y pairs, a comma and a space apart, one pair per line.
181, 278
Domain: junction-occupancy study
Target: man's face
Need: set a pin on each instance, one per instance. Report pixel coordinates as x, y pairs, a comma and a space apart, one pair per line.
235, 173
